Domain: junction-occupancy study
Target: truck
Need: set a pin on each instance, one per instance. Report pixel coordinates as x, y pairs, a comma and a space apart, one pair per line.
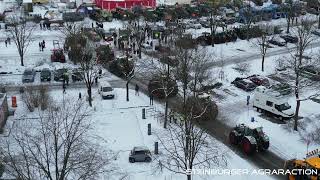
269, 101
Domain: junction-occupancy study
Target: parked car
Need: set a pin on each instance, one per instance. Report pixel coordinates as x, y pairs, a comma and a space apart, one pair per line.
59, 74
259, 80
140, 154
316, 32
282, 88
311, 72
196, 26
205, 24
28, 75
277, 42
290, 39
105, 89
244, 84
45, 74
76, 75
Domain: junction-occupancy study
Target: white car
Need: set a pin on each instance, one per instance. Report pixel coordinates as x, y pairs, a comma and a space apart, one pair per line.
197, 26
105, 90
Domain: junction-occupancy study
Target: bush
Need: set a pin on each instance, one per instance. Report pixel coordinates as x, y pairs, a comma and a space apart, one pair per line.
158, 90
199, 106
34, 97
242, 68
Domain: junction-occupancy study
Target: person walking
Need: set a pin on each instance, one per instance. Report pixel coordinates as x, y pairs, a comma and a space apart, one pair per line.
40, 25
40, 46
96, 80
43, 43
6, 43
137, 90
64, 86
67, 78
151, 99
9, 40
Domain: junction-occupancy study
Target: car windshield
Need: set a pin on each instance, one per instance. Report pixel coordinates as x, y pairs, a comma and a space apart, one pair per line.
106, 89
28, 72
283, 107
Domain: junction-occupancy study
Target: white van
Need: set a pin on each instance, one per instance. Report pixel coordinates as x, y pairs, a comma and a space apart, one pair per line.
105, 90
266, 100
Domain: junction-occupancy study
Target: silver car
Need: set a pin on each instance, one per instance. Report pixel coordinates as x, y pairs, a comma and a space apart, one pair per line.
28, 75
140, 154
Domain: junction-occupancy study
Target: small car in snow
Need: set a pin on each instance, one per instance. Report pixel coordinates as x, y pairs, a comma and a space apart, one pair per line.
244, 84
76, 75
105, 89
316, 32
140, 154
277, 42
196, 26
45, 74
259, 80
290, 39
28, 75
59, 74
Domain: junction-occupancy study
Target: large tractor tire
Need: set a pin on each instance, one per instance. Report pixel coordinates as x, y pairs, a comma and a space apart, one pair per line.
265, 146
247, 147
233, 138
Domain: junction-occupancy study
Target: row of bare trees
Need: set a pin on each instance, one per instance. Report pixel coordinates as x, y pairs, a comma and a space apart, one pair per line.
56, 145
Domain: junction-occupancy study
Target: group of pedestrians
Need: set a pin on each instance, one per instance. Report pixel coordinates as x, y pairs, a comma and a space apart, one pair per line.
42, 45
150, 94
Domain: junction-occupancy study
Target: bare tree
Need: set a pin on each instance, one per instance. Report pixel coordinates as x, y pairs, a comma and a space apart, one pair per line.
185, 146
242, 68
55, 146
298, 61
263, 43
89, 67
163, 76
21, 33
290, 8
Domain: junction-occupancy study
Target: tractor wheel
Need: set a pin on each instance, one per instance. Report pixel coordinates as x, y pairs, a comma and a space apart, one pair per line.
233, 138
247, 147
265, 145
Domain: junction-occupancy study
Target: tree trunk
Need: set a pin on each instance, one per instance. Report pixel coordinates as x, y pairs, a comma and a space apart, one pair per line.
140, 52
262, 63
21, 60
127, 87
166, 113
189, 177
90, 96
296, 116
319, 22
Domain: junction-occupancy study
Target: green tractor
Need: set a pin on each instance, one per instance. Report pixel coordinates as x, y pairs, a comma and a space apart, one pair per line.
101, 15
250, 138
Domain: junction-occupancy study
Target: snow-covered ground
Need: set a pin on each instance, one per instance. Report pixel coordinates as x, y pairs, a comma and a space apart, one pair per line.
120, 126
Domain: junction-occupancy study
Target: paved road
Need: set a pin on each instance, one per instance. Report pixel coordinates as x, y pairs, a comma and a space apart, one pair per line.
246, 58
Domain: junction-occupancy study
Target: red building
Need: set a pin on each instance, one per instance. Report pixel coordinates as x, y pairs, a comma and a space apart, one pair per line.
112, 4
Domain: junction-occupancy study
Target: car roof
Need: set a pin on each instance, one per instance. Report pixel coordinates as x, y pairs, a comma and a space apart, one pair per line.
105, 83
141, 148
28, 69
